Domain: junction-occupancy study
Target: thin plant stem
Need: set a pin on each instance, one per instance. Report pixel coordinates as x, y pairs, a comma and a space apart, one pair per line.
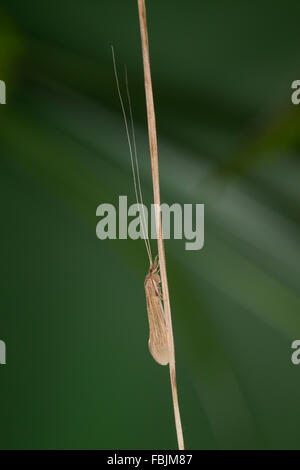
156, 193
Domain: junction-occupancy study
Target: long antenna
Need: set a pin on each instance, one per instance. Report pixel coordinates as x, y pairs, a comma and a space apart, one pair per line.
135, 156
131, 159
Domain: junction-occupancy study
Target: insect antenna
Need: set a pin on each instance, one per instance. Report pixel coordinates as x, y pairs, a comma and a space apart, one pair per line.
143, 219
136, 160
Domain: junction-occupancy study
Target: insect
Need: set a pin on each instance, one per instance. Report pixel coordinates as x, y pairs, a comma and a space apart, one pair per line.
158, 337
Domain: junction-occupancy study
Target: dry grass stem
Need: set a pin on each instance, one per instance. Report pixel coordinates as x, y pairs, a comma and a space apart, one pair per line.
156, 192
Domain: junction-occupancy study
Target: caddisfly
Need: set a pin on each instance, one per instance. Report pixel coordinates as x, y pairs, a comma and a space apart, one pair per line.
158, 337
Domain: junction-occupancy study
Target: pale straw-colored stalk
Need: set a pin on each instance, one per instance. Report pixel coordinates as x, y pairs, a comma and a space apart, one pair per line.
156, 192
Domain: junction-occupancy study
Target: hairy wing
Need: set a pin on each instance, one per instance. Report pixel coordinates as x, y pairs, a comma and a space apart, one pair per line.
158, 340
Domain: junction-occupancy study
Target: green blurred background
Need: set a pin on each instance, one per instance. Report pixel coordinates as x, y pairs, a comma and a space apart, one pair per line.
73, 312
